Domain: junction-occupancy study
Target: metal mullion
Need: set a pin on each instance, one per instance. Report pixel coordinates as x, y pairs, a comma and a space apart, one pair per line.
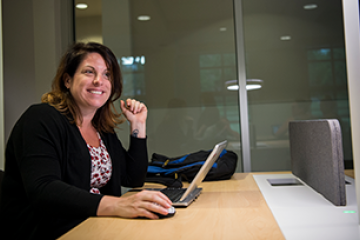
243, 102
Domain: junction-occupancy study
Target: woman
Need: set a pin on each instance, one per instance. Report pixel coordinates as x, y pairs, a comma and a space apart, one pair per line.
64, 161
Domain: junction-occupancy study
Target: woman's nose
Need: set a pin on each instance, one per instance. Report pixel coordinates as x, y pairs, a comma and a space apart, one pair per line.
98, 80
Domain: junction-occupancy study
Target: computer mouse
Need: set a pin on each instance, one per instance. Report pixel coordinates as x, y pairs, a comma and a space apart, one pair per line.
171, 212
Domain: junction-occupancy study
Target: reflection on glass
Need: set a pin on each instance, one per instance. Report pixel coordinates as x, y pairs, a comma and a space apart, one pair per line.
304, 77
177, 63
180, 61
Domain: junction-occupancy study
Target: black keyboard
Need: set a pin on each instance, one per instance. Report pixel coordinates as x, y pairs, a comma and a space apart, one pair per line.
174, 194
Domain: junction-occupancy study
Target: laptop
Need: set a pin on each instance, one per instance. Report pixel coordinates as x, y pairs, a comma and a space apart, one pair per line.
183, 197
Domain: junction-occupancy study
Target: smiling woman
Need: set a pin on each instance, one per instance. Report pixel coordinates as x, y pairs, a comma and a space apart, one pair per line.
90, 86
64, 161
84, 67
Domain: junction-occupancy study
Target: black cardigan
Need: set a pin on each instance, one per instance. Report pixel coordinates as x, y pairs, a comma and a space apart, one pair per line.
46, 185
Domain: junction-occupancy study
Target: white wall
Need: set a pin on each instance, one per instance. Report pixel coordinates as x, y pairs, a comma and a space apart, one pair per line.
47, 48
2, 137
352, 41
89, 29
35, 36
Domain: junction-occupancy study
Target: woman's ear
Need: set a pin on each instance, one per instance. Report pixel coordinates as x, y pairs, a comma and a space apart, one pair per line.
67, 81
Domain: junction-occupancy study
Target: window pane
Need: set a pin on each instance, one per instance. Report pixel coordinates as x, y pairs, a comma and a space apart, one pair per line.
210, 60
177, 63
340, 73
319, 54
339, 53
229, 59
210, 80
303, 77
320, 73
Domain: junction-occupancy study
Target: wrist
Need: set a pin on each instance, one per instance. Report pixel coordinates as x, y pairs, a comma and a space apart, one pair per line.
107, 206
138, 130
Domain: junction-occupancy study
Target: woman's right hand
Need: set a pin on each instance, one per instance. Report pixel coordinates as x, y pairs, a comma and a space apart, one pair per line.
136, 113
142, 204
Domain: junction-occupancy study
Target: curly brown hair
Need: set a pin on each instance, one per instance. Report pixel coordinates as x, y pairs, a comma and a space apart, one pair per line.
106, 117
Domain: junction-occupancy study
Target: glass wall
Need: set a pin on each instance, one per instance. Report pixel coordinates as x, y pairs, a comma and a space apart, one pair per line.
178, 57
297, 51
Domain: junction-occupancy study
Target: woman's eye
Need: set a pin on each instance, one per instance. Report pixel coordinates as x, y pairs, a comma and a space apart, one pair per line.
89, 71
107, 75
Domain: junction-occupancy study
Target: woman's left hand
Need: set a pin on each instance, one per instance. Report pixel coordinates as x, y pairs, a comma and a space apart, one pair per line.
136, 113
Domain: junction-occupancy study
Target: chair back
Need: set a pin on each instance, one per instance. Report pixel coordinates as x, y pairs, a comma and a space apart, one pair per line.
1, 178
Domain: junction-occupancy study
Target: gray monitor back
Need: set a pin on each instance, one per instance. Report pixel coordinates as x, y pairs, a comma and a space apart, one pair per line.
317, 157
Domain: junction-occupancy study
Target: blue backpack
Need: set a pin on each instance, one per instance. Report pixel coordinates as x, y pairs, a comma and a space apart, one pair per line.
171, 171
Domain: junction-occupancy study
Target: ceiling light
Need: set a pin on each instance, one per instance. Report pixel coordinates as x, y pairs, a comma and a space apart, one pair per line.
81, 5
143, 18
233, 87
223, 29
253, 87
251, 84
285, 38
310, 6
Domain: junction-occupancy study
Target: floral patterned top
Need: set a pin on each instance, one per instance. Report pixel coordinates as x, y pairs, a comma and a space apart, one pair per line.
101, 166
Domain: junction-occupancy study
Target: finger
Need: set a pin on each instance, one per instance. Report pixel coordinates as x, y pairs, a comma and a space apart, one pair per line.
147, 203
145, 208
139, 107
130, 104
156, 208
136, 107
142, 107
122, 106
144, 212
156, 197
165, 199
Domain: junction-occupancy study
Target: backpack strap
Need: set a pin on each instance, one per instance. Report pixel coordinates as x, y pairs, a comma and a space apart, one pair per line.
168, 182
167, 171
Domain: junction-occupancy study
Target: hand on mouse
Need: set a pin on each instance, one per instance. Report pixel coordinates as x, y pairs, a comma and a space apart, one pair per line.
137, 205
170, 212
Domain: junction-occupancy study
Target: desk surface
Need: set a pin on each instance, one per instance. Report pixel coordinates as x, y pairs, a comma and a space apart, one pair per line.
231, 209
303, 213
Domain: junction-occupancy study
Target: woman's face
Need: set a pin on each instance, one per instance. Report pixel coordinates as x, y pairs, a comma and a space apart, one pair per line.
91, 84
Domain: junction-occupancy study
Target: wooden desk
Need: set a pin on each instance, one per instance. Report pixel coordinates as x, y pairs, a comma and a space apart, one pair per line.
231, 209
350, 173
